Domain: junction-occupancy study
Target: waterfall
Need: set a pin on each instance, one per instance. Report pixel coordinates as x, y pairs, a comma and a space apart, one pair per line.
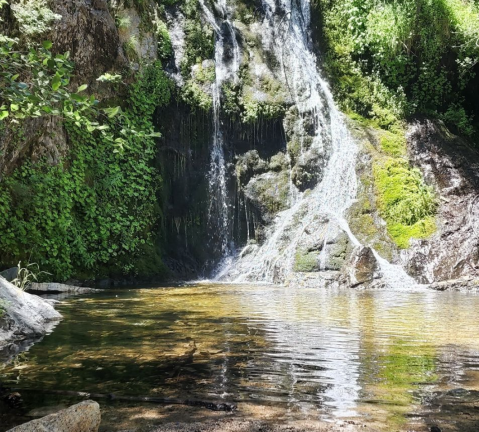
285, 32
219, 214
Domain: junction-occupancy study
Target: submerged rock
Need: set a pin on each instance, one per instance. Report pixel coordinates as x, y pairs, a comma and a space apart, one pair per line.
82, 417
23, 318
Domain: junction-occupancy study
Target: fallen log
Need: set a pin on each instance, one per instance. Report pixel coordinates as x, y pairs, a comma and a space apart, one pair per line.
214, 406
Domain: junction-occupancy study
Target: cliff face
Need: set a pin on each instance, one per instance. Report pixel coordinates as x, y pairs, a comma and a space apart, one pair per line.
452, 166
240, 84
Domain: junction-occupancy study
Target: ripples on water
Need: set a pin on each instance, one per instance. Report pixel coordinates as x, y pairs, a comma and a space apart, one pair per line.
389, 356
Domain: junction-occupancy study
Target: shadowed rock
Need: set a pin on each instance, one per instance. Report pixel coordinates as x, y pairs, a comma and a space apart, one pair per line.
82, 417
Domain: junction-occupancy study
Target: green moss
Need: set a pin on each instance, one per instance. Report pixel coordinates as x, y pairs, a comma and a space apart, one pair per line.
306, 262
402, 233
270, 190
393, 143
405, 202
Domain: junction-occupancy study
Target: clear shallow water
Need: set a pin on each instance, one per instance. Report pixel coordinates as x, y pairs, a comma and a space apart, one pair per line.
387, 358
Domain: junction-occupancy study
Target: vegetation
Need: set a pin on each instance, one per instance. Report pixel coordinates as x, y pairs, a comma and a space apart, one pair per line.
95, 211
305, 261
33, 16
26, 276
396, 58
405, 202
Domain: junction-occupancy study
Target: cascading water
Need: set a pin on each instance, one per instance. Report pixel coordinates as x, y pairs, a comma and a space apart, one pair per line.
285, 33
225, 68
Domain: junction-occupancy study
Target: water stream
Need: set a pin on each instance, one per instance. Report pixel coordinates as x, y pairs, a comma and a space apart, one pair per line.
219, 213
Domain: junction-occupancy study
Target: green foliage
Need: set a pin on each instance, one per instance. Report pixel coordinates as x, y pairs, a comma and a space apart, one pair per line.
197, 90
165, 48
3, 306
199, 37
239, 100
26, 275
396, 58
195, 96
405, 202
123, 22
130, 47
393, 143
94, 213
254, 110
36, 83
33, 16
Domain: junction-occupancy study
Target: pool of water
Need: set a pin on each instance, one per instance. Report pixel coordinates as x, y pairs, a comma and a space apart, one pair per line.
391, 359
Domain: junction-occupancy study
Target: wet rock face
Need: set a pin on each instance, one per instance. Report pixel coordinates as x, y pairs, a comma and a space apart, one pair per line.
452, 166
362, 268
82, 417
88, 31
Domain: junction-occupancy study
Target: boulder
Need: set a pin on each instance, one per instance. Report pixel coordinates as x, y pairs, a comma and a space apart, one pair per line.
23, 318
363, 267
9, 274
449, 163
82, 417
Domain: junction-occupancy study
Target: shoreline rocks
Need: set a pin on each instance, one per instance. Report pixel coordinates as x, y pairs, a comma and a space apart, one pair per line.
24, 318
52, 288
82, 417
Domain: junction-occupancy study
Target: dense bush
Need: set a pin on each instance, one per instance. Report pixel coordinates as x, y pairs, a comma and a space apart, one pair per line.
392, 58
94, 213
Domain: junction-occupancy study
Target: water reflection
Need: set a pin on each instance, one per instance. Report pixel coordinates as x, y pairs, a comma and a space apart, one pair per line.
390, 356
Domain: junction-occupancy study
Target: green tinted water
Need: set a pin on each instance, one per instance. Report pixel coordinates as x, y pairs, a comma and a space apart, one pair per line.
391, 359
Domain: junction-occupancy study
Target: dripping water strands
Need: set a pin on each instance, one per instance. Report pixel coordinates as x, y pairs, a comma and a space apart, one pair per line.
220, 211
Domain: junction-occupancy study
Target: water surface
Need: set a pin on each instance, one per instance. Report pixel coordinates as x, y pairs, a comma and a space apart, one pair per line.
391, 359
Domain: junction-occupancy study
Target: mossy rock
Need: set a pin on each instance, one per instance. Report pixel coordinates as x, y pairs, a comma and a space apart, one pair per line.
306, 262
269, 192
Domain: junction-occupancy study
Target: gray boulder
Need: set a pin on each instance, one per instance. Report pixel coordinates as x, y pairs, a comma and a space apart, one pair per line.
82, 417
23, 317
10, 273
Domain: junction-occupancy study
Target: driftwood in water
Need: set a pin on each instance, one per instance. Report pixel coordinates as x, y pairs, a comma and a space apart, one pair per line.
215, 406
